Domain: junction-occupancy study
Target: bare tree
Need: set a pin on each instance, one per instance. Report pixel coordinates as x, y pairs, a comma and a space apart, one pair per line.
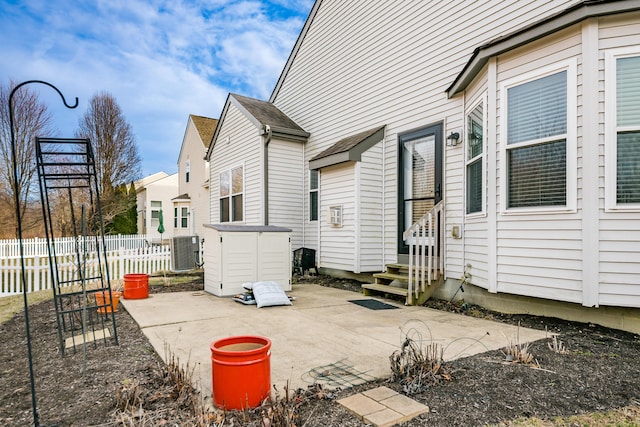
115, 149
30, 119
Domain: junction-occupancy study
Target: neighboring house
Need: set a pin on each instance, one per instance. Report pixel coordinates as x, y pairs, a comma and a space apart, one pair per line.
522, 118
153, 194
191, 207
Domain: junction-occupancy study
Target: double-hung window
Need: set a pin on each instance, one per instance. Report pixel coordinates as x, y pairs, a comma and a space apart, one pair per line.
313, 195
181, 217
156, 207
475, 159
184, 217
538, 122
232, 195
622, 118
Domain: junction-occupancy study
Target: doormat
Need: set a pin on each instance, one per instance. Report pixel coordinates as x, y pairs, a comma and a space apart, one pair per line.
373, 304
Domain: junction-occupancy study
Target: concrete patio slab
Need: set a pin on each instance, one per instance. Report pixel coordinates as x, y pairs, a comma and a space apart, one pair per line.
322, 337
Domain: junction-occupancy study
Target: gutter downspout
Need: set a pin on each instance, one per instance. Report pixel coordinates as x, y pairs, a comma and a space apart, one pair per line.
266, 135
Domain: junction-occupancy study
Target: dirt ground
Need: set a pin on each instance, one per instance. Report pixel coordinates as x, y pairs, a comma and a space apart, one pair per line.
598, 371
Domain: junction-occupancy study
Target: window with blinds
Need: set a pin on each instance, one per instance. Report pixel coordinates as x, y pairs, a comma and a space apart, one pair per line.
475, 159
536, 149
628, 130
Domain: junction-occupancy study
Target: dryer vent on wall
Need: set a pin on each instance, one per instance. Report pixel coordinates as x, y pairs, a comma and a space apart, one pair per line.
185, 253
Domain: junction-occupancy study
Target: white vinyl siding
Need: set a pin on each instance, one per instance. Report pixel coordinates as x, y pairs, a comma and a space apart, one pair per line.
338, 243
369, 236
286, 197
619, 250
540, 257
339, 85
238, 143
539, 251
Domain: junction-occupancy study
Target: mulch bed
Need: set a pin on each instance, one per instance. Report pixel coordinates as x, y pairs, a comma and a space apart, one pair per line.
600, 371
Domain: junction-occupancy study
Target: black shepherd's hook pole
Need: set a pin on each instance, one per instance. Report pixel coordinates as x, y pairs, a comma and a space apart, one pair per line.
19, 224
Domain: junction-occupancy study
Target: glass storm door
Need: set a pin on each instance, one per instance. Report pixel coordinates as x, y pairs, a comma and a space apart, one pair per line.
420, 177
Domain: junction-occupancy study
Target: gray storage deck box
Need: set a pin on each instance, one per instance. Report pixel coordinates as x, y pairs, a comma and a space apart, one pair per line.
235, 254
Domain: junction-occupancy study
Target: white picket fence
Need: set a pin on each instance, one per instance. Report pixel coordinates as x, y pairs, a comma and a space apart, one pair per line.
147, 260
67, 245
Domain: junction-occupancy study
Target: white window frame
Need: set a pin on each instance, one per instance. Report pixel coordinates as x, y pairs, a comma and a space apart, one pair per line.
155, 222
570, 66
184, 217
231, 194
175, 217
315, 191
483, 157
187, 169
612, 129
335, 216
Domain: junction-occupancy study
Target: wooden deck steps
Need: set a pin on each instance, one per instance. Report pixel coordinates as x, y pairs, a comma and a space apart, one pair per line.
394, 281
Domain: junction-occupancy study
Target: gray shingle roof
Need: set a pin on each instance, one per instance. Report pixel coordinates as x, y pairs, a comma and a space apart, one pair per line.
348, 149
267, 114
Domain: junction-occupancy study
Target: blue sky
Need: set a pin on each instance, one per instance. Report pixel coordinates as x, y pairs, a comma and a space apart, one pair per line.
161, 59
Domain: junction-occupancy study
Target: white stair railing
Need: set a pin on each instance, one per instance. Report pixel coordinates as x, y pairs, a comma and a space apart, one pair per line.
426, 260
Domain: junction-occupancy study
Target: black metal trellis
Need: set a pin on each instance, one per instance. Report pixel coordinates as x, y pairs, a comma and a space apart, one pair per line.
23, 275
68, 165
67, 176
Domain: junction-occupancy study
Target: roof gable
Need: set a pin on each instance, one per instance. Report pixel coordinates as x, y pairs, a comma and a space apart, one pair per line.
205, 127
294, 51
265, 116
264, 113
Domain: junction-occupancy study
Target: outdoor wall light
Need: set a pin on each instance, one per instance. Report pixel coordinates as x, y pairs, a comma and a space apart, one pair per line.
453, 139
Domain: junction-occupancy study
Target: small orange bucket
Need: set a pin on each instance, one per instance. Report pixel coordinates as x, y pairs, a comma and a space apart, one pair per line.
241, 371
106, 304
136, 286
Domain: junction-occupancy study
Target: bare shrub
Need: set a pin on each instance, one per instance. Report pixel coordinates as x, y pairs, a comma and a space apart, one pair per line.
128, 395
416, 367
557, 346
517, 352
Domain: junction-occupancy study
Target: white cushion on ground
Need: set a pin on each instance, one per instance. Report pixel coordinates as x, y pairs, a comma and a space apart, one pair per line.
269, 294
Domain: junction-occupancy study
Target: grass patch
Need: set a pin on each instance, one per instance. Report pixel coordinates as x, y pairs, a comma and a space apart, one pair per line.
11, 305
622, 417
173, 280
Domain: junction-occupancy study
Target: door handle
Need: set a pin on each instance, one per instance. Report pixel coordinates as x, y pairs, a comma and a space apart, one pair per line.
438, 190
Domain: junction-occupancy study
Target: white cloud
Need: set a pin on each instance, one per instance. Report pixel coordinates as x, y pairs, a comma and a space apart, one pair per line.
161, 59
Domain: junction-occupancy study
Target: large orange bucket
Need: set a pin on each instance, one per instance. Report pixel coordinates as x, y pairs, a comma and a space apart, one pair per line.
136, 286
241, 371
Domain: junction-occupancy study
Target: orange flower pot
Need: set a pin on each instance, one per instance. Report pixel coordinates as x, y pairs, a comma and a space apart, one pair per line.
136, 286
241, 371
106, 304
